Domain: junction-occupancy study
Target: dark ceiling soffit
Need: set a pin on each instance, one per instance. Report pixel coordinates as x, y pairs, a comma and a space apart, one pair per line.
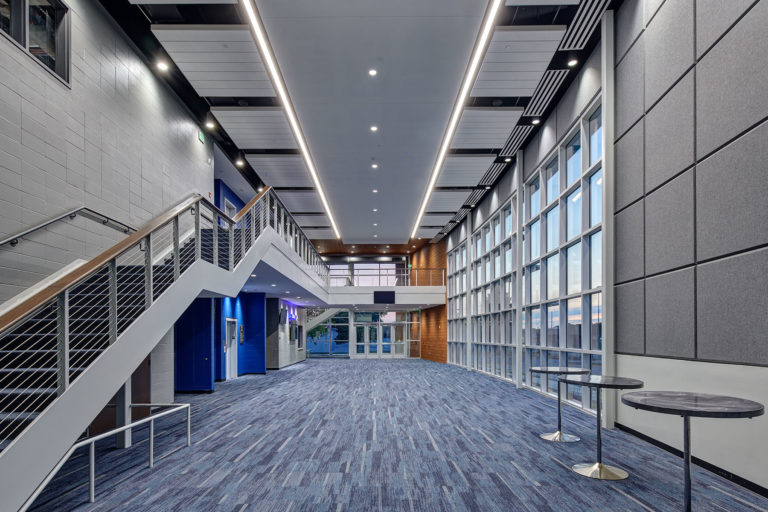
537, 15
252, 151
136, 25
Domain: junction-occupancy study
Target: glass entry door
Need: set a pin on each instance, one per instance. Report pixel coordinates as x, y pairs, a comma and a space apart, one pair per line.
376, 340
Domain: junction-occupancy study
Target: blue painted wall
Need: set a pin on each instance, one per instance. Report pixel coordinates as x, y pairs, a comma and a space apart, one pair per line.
249, 310
222, 191
193, 346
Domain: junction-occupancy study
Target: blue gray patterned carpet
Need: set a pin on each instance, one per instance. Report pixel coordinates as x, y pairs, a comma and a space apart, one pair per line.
403, 435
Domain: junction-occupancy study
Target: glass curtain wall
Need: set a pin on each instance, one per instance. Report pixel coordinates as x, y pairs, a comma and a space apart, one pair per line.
330, 338
484, 274
560, 310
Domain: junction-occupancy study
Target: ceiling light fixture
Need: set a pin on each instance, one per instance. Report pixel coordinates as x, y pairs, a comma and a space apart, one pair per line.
374, 166
282, 92
572, 63
458, 107
374, 128
375, 224
372, 72
507, 159
162, 65
375, 191
274, 285
375, 236
260, 190
210, 124
239, 162
487, 188
535, 122
375, 209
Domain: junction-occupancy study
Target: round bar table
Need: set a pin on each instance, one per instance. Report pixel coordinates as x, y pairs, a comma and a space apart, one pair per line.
558, 436
689, 405
597, 469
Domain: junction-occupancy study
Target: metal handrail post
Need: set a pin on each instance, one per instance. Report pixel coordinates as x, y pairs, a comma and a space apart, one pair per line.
92, 472
152, 443
189, 426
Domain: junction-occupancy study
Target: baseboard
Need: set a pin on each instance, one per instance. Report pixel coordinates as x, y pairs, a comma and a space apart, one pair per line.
747, 484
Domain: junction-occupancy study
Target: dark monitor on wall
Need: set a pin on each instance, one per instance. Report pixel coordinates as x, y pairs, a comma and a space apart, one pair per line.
283, 316
383, 297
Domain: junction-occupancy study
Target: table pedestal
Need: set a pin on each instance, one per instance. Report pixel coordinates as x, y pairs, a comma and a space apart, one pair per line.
559, 437
597, 469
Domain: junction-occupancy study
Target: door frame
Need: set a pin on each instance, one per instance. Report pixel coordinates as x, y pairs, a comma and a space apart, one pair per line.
230, 349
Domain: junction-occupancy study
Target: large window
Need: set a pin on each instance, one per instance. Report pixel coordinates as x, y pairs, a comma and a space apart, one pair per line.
555, 298
42, 28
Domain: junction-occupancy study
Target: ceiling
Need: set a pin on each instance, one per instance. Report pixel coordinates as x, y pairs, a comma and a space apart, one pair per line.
420, 50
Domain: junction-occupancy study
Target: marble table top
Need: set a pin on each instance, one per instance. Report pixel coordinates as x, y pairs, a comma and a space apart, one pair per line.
562, 370
693, 404
600, 381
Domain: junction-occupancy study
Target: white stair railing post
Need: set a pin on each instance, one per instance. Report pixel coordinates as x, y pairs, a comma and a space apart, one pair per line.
198, 233
176, 250
112, 279
92, 472
148, 284
62, 353
231, 245
215, 238
151, 443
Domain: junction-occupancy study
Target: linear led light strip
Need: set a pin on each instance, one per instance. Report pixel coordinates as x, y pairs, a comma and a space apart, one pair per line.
285, 99
469, 78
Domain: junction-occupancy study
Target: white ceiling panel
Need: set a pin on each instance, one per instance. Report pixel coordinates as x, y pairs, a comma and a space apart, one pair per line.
218, 60
464, 170
181, 2
485, 127
312, 220
256, 127
319, 234
516, 59
281, 170
542, 2
427, 233
444, 201
436, 220
301, 201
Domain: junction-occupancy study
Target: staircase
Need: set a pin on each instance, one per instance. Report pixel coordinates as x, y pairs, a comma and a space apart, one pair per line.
67, 349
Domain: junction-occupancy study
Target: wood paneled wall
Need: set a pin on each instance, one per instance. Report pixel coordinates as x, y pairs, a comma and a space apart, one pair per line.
434, 332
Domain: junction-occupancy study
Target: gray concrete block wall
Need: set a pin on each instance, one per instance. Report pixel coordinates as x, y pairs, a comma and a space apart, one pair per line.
116, 139
690, 210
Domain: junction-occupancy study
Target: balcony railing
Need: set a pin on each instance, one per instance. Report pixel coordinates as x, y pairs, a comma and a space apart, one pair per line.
389, 277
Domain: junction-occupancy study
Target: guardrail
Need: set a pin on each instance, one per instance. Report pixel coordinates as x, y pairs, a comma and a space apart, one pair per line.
389, 277
91, 443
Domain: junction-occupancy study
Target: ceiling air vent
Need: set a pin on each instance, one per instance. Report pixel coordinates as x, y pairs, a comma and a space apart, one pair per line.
544, 92
583, 24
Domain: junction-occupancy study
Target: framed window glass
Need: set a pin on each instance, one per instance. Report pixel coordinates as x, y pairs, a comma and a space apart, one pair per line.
553, 324
596, 198
553, 276
535, 282
573, 272
573, 330
553, 228
596, 321
573, 214
496, 231
536, 326
595, 137
508, 221
12, 19
535, 230
596, 260
553, 181
535, 195
573, 159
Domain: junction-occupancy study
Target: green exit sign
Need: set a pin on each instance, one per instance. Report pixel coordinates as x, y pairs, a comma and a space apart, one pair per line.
201, 136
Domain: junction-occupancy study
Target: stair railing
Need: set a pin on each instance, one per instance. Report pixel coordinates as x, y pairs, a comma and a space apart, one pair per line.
90, 442
49, 339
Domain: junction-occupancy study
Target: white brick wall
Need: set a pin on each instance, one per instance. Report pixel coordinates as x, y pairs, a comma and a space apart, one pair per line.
118, 141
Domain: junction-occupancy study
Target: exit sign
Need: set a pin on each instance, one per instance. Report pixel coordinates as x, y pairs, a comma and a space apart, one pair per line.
201, 136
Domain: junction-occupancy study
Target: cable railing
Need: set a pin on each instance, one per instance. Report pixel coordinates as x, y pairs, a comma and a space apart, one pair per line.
91, 444
388, 277
51, 338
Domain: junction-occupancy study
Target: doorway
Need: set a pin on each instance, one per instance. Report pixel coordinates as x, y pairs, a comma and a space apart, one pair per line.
379, 340
230, 348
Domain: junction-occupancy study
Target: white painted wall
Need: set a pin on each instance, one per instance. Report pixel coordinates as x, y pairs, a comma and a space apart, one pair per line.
731, 444
286, 352
117, 140
161, 361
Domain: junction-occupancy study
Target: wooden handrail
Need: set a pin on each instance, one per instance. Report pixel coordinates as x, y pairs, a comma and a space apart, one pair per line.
76, 275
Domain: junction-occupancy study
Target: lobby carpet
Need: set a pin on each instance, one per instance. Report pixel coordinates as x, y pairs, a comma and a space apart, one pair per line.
399, 435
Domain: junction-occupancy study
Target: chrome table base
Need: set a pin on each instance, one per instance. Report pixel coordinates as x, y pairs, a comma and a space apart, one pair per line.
559, 437
600, 471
